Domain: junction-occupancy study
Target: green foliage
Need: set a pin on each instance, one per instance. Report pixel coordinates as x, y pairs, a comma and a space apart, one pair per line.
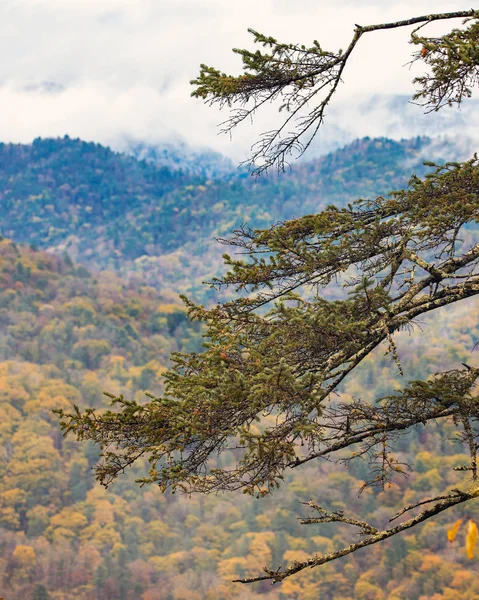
77, 322
287, 361
454, 62
112, 211
290, 64
41, 593
303, 81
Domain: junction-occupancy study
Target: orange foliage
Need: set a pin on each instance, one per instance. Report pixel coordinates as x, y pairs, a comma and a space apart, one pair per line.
471, 539
451, 533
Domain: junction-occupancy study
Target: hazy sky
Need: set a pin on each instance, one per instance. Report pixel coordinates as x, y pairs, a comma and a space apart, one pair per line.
106, 69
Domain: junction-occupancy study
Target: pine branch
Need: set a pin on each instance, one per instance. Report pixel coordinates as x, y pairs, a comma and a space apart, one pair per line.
299, 76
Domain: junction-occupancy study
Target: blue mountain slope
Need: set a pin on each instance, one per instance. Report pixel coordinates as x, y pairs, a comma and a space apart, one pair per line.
110, 209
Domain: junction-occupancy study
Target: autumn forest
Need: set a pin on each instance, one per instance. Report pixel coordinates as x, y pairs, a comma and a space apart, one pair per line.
96, 247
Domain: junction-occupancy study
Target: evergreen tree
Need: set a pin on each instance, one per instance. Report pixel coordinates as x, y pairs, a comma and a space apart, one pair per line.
290, 336
41, 593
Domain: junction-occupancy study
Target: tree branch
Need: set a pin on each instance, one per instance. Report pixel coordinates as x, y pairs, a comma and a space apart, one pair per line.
424, 19
297, 75
441, 505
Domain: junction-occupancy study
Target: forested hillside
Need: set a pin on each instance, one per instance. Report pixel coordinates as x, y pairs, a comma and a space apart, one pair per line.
109, 210
69, 331
68, 334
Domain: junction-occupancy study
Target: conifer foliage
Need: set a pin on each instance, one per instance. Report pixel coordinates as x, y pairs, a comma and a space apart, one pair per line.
313, 297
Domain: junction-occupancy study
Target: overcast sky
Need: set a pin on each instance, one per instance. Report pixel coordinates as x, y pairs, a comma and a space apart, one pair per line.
104, 70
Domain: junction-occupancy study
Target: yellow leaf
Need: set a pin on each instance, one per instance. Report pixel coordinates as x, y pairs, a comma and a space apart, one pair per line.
471, 539
451, 533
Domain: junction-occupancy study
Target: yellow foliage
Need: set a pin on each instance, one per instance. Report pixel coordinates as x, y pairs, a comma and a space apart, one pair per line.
471, 539
115, 359
259, 539
9, 518
169, 563
46, 309
450, 594
205, 559
11, 390
170, 308
411, 542
192, 521
69, 519
427, 481
146, 549
239, 526
263, 521
452, 532
157, 530
364, 590
44, 405
309, 586
232, 568
105, 537
57, 387
9, 418
322, 544
60, 534
13, 497
295, 543
117, 548
24, 556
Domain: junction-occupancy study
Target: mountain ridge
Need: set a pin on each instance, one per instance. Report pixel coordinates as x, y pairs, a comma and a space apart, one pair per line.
59, 193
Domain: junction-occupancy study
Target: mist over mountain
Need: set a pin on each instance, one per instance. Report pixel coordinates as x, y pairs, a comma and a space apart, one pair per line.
396, 117
179, 156
157, 214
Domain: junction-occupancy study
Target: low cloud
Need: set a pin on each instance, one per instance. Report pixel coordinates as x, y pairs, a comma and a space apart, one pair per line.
106, 70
